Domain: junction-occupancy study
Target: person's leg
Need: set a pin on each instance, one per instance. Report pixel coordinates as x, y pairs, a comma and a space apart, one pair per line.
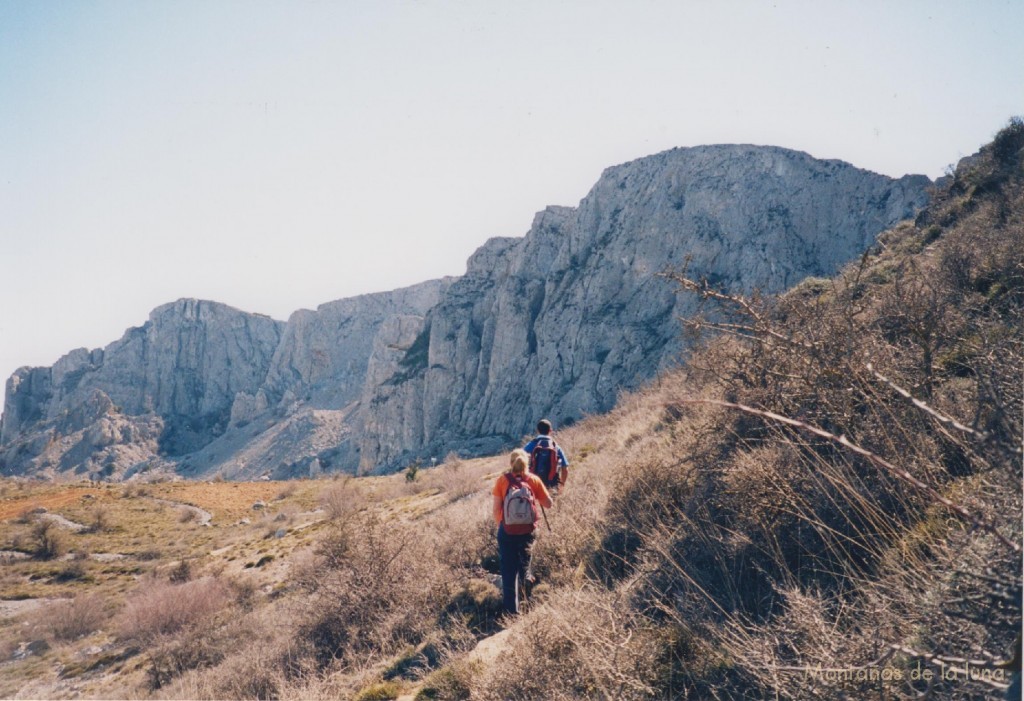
508, 559
526, 561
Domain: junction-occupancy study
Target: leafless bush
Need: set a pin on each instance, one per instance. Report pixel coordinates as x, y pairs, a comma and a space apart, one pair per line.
453, 682
149, 554
182, 572
68, 620
159, 608
100, 520
194, 649
288, 490
245, 591
342, 498
456, 479
827, 483
49, 539
75, 569
212, 664
379, 587
468, 535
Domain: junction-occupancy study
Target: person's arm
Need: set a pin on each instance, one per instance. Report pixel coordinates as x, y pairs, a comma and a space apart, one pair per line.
499, 501
501, 486
540, 491
563, 473
497, 509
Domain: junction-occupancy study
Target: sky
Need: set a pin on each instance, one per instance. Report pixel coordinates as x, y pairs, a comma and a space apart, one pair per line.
278, 155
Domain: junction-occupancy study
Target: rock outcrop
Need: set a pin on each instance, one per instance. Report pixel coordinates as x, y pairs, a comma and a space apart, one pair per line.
323, 356
555, 323
184, 385
182, 370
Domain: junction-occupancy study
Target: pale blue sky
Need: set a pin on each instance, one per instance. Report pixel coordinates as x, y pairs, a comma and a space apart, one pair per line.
278, 155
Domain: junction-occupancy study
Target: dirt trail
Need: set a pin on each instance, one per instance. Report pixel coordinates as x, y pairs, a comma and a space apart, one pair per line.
202, 516
486, 653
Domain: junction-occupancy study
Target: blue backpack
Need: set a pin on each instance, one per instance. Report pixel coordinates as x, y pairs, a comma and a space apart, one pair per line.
544, 460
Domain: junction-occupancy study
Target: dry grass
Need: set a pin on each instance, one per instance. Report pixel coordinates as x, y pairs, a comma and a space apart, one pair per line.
16, 501
230, 501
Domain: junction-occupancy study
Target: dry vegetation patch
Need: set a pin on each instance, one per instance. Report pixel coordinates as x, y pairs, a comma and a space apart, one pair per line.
234, 500
13, 504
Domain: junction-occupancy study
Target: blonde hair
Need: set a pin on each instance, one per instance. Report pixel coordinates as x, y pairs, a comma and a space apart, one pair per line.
519, 461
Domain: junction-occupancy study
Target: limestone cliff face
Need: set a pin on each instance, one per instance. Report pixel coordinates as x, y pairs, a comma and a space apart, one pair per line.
557, 323
194, 375
323, 356
184, 367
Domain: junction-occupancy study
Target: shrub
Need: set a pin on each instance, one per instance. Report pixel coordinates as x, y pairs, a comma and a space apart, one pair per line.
412, 471
159, 608
50, 540
182, 572
194, 650
376, 588
100, 521
289, 490
149, 554
341, 499
1007, 145
259, 667
456, 479
591, 647
68, 620
75, 569
453, 682
381, 691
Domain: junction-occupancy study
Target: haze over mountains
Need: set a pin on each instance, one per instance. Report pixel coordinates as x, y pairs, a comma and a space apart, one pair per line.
555, 323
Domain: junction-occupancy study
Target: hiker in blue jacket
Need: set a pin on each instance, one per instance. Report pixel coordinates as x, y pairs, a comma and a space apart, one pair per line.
547, 460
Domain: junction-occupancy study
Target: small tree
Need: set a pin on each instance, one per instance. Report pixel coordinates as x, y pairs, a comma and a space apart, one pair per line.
50, 541
412, 471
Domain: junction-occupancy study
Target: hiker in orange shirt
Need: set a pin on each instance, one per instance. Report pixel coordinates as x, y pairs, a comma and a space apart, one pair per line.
517, 494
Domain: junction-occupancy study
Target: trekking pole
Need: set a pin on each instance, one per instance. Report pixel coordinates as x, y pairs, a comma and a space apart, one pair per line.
545, 517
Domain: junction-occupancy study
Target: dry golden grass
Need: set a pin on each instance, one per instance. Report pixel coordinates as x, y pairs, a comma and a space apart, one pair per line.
233, 500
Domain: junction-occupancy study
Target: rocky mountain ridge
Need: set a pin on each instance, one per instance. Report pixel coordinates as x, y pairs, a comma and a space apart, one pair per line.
555, 323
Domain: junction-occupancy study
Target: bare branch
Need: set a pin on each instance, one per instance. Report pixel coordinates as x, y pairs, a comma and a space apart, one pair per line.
897, 472
703, 289
941, 418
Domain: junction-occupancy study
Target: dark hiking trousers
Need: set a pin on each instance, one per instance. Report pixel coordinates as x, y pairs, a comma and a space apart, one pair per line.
514, 553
